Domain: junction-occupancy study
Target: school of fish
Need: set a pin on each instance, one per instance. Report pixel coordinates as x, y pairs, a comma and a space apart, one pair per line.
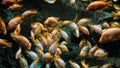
46, 36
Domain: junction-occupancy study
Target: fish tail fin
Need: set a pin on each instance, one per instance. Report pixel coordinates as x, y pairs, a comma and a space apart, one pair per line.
110, 3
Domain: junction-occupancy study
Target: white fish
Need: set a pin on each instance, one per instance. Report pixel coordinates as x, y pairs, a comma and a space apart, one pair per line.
76, 28
59, 63
23, 62
74, 64
39, 52
47, 66
50, 1
38, 44
32, 55
72, 1
34, 63
18, 53
53, 47
64, 35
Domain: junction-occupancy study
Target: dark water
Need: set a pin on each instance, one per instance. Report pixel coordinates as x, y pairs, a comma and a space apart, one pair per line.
65, 12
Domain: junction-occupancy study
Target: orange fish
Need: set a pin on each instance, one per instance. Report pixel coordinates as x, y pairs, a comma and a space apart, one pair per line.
3, 26
12, 24
59, 62
4, 43
97, 5
83, 21
17, 30
111, 34
116, 15
15, 7
22, 40
84, 30
47, 57
8, 2
53, 47
28, 14
74, 64
51, 21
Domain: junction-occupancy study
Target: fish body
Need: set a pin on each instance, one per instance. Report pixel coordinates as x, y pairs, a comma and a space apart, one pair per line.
32, 55
22, 40
47, 57
96, 5
50, 1
17, 30
43, 41
34, 63
18, 53
38, 44
28, 13
64, 35
8, 2
83, 21
76, 29
84, 65
4, 43
74, 64
51, 21
100, 53
63, 48
111, 34
59, 63
116, 15
84, 51
15, 7
96, 28
3, 27
82, 43
23, 62
40, 52
84, 30
53, 47
92, 51
12, 24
